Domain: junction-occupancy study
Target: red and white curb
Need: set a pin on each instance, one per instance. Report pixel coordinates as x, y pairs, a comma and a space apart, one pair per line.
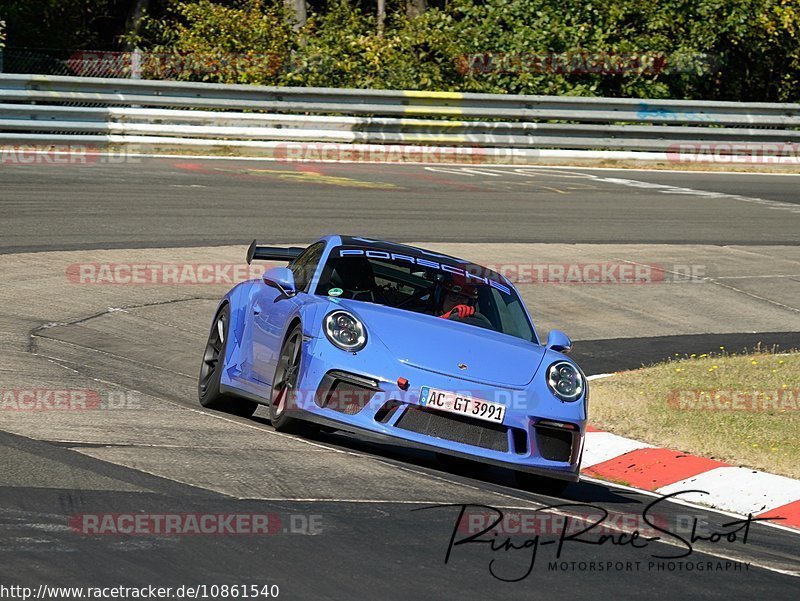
736, 489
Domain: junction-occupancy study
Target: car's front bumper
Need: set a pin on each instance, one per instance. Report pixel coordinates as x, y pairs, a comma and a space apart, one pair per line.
363, 405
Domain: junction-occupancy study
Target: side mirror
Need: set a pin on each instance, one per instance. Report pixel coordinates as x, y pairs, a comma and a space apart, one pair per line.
559, 341
281, 278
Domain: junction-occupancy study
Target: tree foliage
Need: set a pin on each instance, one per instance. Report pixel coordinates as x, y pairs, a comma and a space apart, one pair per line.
713, 49
226, 43
716, 49
64, 23
733, 49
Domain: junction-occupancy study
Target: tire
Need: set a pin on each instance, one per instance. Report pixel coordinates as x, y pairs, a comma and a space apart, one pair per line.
284, 384
540, 484
211, 371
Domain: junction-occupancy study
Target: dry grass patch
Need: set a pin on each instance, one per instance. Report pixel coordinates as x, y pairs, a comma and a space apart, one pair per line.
744, 409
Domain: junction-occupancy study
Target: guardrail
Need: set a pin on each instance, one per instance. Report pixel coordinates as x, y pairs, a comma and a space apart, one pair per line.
36, 108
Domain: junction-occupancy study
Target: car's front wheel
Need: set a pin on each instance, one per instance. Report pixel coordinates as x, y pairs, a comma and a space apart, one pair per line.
284, 387
211, 371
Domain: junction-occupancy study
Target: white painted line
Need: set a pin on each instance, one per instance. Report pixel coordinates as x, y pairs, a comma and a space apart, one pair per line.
602, 446
599, 376
660, 188
683, 502
479, 172
756, 296
665, 189
104, 444
532, 506
644, 170
738, 489
449, 170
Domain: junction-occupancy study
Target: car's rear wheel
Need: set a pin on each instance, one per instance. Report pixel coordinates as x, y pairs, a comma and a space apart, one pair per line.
284, 384
211, 371
540, 484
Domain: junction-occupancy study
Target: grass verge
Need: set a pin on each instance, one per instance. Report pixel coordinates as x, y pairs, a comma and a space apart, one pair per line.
744, 410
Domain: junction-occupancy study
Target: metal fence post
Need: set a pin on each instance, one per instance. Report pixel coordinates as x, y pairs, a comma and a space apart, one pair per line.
136, 63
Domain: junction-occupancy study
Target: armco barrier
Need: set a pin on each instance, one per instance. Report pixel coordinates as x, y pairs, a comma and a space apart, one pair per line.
38, 109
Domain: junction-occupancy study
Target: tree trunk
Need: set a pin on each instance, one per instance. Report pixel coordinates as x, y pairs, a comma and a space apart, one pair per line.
415, 8
134, 22
298, 7
381, 15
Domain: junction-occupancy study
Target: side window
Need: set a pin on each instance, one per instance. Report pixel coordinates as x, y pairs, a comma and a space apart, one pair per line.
512, 316
304, 266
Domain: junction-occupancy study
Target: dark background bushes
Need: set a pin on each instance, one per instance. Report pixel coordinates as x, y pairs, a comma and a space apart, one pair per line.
709, 49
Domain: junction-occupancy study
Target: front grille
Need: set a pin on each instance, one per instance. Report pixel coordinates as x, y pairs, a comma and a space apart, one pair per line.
340, 393
385, 413
519, 439
554, 444
454, 428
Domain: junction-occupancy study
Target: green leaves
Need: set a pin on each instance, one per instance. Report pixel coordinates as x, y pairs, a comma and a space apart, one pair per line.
713, 49
203, 40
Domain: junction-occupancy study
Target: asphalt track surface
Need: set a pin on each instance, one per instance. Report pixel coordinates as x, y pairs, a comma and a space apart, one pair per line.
147, 203
168, 456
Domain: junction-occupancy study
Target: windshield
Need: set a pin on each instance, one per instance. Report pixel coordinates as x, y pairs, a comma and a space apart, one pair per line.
467, 293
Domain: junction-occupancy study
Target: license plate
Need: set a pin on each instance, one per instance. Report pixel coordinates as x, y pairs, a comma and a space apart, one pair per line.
462, 404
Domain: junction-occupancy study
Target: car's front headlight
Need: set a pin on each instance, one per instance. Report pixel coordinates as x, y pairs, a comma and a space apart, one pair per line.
345, 331
565, 381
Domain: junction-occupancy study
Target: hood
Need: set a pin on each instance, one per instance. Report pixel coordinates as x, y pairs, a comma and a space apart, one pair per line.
440, 345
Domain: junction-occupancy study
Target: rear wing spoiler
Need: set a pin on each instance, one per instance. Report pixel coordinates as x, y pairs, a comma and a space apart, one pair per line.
272, 253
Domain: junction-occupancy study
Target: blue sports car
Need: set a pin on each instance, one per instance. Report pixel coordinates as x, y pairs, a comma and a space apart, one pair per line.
404, 345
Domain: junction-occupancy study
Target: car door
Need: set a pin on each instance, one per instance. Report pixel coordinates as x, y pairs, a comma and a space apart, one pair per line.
272, 309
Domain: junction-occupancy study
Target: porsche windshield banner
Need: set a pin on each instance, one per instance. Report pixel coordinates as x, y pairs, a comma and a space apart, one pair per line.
472, 273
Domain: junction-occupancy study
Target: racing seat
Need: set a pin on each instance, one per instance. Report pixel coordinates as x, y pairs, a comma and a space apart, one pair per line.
354, 275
